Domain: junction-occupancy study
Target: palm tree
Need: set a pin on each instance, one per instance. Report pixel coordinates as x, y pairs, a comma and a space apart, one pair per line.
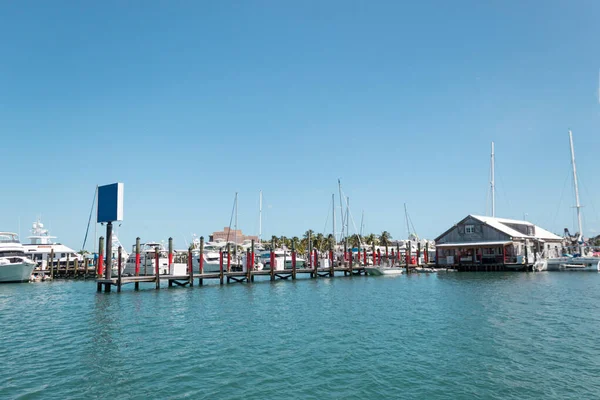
330, 242
275, 241
385, 240
319, 241
295, 242
372, 240
308, 233
355, 240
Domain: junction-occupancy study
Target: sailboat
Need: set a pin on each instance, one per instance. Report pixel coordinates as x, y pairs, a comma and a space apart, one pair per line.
579, 261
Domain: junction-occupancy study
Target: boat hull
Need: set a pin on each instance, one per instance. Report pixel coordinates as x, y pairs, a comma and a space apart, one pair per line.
590, 264
379, 271
16, 272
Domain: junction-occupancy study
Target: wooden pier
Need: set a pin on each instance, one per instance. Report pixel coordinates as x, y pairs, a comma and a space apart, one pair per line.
224, 277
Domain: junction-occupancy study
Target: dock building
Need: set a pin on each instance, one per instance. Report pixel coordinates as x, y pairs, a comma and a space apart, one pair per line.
489, 243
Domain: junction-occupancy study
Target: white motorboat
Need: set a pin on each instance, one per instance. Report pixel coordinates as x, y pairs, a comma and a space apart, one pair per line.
41, 247
283, 260
425, 270
14, 265
148, 260
573, 264
383, 270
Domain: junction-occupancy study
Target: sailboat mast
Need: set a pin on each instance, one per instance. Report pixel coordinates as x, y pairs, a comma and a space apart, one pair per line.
362, 218
333, 213
341, 209
260, 217
577, 205
493, 181
347, 216
406, 218
235, 227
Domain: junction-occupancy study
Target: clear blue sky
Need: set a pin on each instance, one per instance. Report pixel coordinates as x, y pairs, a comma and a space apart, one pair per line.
188, 102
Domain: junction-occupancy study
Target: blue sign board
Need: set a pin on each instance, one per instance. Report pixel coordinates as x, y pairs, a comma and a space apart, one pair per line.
110, 203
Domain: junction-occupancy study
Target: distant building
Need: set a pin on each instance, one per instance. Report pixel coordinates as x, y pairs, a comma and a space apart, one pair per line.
231, 235
477, 242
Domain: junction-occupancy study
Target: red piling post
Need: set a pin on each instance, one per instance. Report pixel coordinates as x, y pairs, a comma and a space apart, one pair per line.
170, 253
272, 261
137, 256
365, 257
228, 258
100, 257
293, 261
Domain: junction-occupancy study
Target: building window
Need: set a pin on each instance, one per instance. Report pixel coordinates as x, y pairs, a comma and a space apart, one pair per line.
469, 229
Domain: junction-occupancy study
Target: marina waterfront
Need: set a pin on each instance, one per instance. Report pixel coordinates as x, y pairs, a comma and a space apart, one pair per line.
434, 336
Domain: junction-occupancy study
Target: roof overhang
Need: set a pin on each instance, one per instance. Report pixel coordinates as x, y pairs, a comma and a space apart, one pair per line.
474, 244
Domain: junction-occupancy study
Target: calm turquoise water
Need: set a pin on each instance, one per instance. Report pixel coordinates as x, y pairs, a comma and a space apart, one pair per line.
457, 335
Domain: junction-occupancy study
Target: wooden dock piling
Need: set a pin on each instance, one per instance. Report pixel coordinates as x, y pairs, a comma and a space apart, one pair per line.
221, 266
293, 260
251, 262
119, 263
137, 262
51, 263
201, 261
157, 266
331, 260
272, 260
190, 263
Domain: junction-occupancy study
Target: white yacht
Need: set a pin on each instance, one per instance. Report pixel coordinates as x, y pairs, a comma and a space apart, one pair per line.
14, 265
148, 260
41, 245
283, 260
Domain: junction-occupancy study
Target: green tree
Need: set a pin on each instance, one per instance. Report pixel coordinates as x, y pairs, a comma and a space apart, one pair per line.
385, 239
330, 242
319, 241
372, 239
355, 240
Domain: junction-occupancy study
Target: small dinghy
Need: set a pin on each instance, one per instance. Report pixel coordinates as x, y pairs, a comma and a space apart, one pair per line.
381, 270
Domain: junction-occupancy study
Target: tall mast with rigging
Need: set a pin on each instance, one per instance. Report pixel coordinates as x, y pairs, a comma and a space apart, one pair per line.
333, 214
260, 217
577, 205
493, 181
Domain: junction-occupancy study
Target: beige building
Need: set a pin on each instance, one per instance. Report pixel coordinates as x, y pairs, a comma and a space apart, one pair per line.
231, 235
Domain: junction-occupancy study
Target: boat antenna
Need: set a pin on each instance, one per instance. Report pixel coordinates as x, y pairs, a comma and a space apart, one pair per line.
344, 221
493, 181
235, 228
90, 220
347, 216
406, 218
333, 215
362, 219
577, 205
260, 216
